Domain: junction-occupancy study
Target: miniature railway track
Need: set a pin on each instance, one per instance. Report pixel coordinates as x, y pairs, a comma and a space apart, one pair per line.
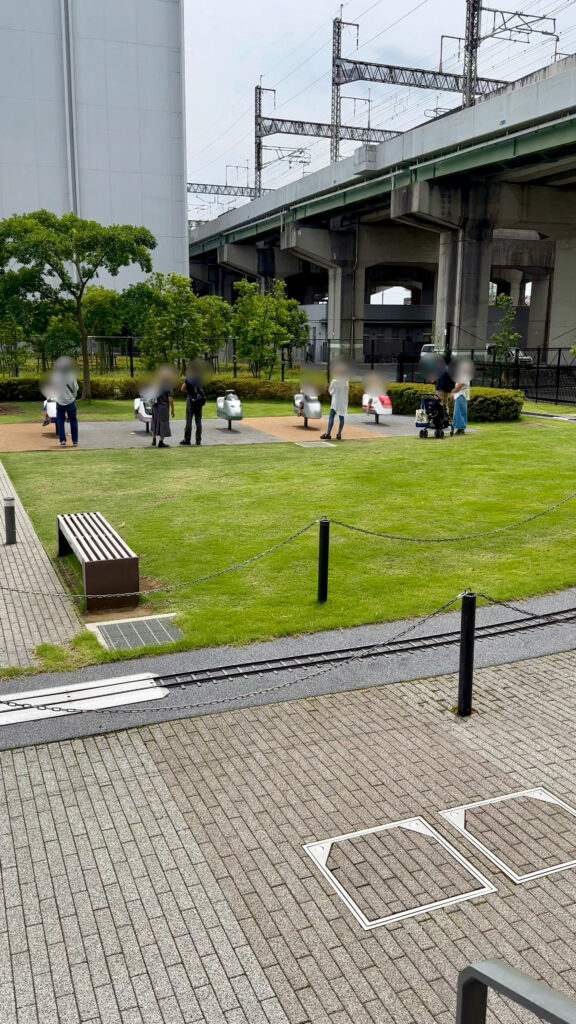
295, 663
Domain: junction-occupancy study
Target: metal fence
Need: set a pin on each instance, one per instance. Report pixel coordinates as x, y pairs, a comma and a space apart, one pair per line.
544, 375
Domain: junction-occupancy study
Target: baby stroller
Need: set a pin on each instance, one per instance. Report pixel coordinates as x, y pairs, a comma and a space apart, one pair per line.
432, 415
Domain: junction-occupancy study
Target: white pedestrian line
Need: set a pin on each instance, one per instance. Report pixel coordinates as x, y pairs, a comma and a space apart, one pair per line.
91, 696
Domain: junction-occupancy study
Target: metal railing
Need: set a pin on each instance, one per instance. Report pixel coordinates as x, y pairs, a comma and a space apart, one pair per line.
540, 999
550, 376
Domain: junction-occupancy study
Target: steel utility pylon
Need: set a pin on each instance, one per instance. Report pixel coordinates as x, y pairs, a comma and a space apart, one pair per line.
264, 126
471, 44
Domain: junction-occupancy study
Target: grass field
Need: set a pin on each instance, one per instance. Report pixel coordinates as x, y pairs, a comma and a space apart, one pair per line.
190, 518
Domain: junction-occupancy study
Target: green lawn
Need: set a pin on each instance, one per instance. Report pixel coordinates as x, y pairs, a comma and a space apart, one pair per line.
187, 517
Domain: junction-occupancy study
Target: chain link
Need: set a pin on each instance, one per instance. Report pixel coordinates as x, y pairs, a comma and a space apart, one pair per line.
275, 547
523, 611
172, 586
356, 656
466, 536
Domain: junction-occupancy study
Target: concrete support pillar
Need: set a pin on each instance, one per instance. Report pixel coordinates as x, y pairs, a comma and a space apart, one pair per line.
346, 288
562, 333
446, 285
537, 336
514, 279
473, 285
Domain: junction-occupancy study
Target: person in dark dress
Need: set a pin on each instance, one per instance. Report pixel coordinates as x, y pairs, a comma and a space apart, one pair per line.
162, 410
195, 402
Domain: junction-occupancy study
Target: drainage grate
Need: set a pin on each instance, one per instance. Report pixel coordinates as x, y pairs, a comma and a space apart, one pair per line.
396, 870
129, 634
526, 834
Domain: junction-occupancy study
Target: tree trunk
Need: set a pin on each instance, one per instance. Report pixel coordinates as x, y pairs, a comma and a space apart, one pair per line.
86, 390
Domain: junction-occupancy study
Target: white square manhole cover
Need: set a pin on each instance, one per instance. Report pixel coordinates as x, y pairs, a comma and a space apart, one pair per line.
396, 870
526, 834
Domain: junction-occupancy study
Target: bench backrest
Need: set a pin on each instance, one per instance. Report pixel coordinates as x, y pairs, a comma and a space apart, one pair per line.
92, 538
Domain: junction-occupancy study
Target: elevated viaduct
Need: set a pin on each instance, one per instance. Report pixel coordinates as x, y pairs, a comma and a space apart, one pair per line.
486, 194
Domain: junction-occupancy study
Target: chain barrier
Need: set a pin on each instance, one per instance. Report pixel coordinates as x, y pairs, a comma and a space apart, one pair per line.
371, 652
466, 536
356, 656
168, 588
524, 611
171, 586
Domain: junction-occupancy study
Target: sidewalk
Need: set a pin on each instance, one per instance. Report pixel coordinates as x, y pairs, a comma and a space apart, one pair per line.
157, 876
27, 620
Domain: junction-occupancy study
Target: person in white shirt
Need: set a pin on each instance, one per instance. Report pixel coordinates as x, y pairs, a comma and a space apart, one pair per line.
338, 391
65, 389
461, 396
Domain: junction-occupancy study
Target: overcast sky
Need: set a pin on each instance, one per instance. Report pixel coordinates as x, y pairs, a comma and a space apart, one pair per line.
230, 44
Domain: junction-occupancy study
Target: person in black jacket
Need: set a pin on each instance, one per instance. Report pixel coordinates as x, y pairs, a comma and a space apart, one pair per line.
195, 402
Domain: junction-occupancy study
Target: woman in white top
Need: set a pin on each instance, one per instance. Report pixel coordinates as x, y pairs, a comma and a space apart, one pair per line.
461, 396
338, 390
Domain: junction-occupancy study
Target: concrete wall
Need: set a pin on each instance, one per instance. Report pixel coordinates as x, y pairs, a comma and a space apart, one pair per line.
97, 125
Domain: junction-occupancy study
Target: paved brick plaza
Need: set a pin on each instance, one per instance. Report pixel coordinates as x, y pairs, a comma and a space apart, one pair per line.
157, 875
27, 616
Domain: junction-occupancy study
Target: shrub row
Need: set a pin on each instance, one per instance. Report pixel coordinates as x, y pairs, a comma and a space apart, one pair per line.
495, 405
486, 404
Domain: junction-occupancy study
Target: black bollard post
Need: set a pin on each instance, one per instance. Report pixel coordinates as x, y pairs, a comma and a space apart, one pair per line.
323, 556
10, 520
466, 675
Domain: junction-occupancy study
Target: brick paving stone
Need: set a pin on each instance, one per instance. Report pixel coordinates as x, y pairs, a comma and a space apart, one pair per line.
27, 617
158, 874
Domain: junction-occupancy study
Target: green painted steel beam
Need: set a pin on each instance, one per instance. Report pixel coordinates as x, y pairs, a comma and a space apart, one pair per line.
485, 154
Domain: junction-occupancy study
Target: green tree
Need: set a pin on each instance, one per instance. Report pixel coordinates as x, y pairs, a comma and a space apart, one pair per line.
62, 337
216, 315
173, 332
506, 336
297, 325
137, 301
60, 256
261, 324
13, 348
102, 309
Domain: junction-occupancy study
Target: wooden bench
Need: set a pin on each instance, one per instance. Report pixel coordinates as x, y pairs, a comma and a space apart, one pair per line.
109, 566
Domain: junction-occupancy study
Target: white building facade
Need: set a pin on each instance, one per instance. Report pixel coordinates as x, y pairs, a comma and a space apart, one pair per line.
92, 116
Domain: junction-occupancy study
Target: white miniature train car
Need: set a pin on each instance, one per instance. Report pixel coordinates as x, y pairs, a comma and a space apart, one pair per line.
377, 405
307, 406
143, 412
229, 407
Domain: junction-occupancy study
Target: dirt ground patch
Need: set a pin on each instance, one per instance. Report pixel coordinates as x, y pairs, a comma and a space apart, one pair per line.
27, 437
10, 410
291, 428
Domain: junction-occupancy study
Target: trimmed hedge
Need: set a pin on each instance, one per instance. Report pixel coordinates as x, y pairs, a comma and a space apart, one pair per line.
486, 404
19, 389
270, 390
495, 405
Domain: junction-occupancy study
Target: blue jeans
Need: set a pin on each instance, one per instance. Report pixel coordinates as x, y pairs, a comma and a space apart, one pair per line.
460, 415
61, 412
331, 419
